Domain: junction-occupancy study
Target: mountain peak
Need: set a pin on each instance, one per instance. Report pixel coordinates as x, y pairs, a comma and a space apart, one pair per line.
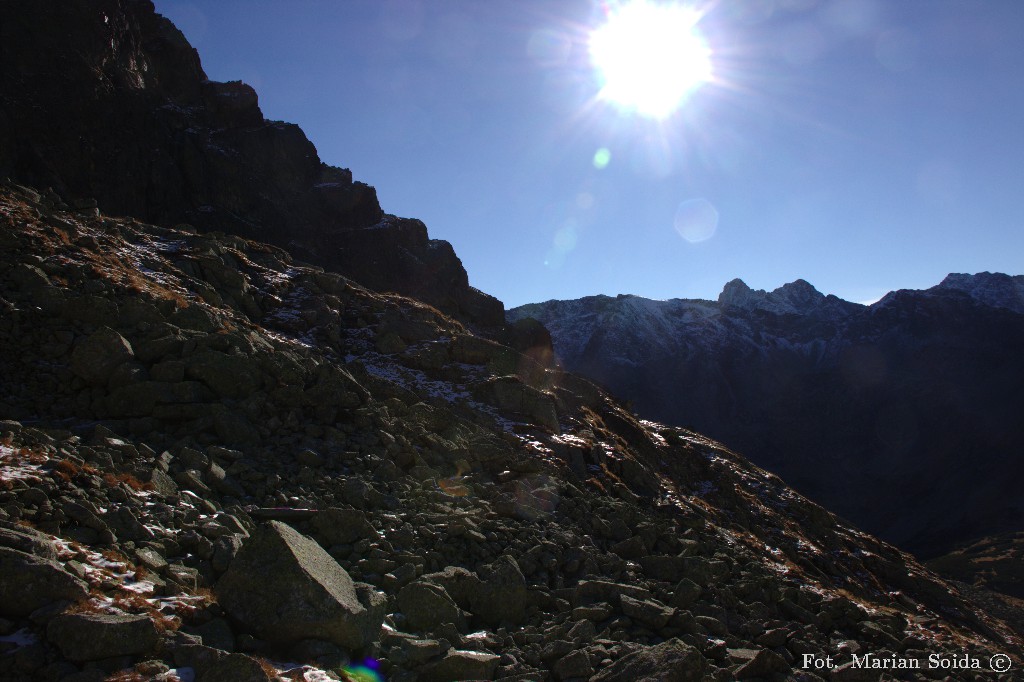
800, 294
795, 298
989, 288
736, 293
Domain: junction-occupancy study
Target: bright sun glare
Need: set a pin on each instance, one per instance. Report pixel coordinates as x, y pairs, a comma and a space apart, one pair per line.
650, 56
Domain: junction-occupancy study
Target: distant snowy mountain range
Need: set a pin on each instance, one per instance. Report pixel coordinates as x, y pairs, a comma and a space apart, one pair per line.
903, 415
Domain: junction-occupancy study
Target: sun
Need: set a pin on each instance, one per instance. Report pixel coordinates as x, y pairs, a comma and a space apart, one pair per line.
650, 56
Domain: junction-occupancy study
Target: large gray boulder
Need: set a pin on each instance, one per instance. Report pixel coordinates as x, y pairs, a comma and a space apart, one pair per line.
28, 582
285, 588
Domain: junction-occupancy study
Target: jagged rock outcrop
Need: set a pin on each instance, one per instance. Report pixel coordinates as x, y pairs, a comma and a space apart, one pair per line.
902, 415
107, 103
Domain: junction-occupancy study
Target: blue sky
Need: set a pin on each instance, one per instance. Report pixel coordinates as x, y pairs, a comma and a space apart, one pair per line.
862, 145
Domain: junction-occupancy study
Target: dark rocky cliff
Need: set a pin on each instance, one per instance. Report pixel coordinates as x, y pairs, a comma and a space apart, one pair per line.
105, 100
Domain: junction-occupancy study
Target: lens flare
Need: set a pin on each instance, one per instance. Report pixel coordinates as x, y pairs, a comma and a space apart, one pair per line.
602, 157
453, 486
367, 671
696, 220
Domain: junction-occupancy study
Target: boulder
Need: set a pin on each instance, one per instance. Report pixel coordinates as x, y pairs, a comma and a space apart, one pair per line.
141, 399
427, 606
667, 568
229, 376
216, 665
94, 636
501, 596
284, 588
671, 661
336, 526
647, 612
215, 633
28, 582
511, 394
462, 665
458, 582
764, 664
97, 356
574, 665
588, 591
29, 541
632, 548
685, 593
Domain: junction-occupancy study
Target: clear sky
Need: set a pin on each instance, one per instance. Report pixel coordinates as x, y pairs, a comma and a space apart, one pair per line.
862, 145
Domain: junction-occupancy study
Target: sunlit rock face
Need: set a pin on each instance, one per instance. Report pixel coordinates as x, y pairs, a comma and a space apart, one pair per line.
106, 101
902, 415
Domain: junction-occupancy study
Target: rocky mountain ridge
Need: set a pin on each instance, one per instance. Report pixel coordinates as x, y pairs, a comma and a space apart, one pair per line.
796, 298
989, 288
199, 418
106, 102
900, 415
